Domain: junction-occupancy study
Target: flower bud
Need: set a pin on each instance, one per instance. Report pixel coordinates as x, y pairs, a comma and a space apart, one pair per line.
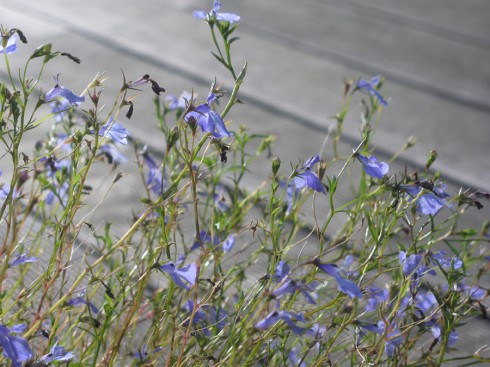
276, 163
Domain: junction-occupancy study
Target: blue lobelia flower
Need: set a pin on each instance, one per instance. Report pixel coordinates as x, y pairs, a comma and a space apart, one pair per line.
439, 258
11, 45
430, 203
435, 330
81, 301
373, 167
229, 243
60, 192
206, 317
57, 353
295, 360
371, 87
346, 286
155, 180
307, 178
15, 348
178, 103
21, 259
412, 267
59, 91
375, 297
181, 276
286, 316
58, 109
288, 285
115, 131
143, 355
207, 119
213, 14
112, 154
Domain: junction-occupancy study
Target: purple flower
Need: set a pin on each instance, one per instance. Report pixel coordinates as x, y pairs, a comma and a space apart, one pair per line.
436, 333
142, 354
60, 192
11, 45
178, 103
229, 243
430, 203
112, 154
182, 275
294, 359
375, 297
81, 301
292, 286
286, 316
57, 353
115, 131
155, 180
203, 239
15, 348
58, 109
59, 91
206, 317
439, 258
371, 87
412, 266
344, 285
393, 336
307, 178
21, 259
282, 271
213, 14
373, 167
207, 119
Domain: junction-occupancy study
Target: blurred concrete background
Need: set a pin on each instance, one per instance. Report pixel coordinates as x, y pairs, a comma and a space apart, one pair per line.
434, 55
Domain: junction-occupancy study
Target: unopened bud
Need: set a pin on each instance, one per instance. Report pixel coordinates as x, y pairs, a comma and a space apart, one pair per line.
172, 138
432, 157
276, 163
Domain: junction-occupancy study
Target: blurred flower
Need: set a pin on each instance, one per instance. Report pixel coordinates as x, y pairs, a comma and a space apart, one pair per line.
81, 301
179, 103
436, 333
59, 108
286, 316
155, 180
182, 275
375, 297
295, 360
213, 14
371, 87
115, 131
142, 354
112, 154
439, 258
229, 243
288, 285
21, 259
373, 167
59, 192
206, 317
15, 348
59, 91
57, 353
344, 285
